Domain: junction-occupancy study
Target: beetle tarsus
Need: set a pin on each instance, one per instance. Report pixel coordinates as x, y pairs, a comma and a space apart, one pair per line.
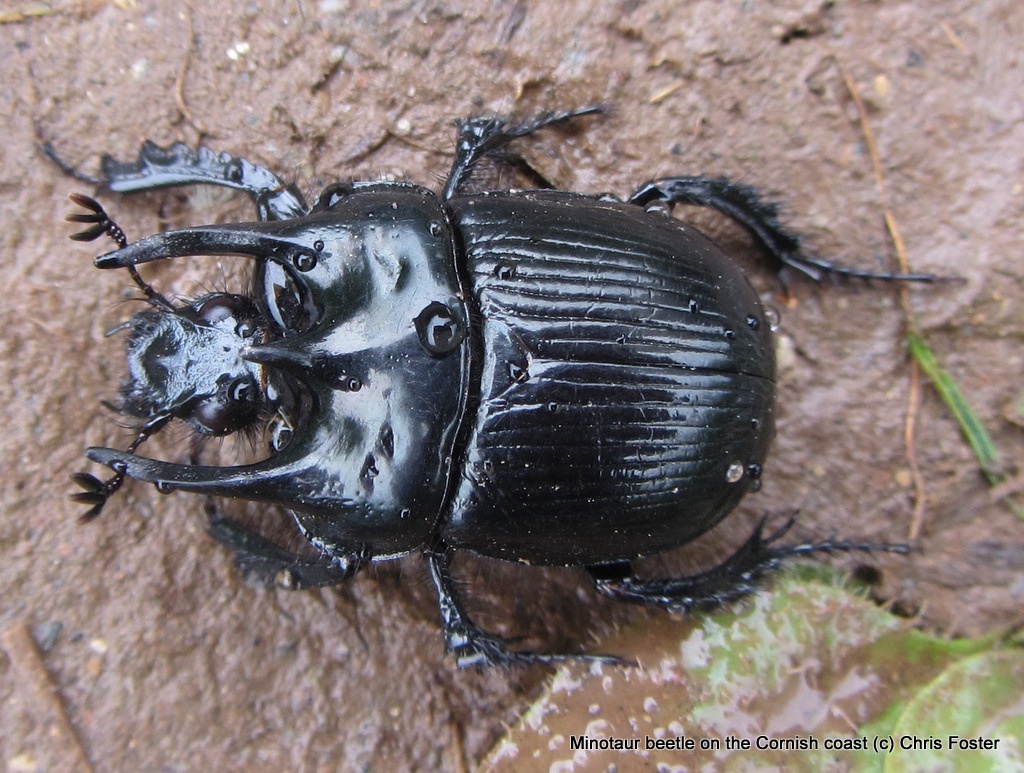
95, 492
732, 579
48, 151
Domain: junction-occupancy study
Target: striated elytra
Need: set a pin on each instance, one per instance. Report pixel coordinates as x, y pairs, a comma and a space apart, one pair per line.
531, 375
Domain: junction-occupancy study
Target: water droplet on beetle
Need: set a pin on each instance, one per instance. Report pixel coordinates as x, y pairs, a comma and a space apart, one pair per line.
518, 373
730, 333
386, 441
370, 467
753, 322
439, 332
505, 271
735, 472
554, 407
434, 227
280, 433
754, 470
694, 306
659, 207
304, 261
773, 318
121, 468
164, 487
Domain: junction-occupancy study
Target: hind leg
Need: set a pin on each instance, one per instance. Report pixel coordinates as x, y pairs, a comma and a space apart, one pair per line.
733, 578
270, 564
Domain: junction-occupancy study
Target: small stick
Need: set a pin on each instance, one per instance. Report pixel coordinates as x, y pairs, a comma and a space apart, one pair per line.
42, 698
914, 398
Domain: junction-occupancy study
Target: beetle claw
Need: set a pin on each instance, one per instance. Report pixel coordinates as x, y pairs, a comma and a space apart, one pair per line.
102, 223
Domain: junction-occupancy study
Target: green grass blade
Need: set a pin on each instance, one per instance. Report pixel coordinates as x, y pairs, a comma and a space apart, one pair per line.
974, 431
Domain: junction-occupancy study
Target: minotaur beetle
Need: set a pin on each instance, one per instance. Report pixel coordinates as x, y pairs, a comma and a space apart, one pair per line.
532, 375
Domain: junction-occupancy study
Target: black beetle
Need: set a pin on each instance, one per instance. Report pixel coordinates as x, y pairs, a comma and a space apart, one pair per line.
531, 375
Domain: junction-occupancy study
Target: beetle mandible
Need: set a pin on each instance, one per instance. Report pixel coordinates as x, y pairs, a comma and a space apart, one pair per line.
531, 375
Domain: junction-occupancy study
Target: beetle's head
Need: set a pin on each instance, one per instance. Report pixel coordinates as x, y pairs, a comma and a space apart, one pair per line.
187, 363
222, 363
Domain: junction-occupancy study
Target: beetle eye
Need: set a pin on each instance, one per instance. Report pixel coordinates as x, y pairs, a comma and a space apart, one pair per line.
220, 307
288, 302
213, 417
233, 407
217, 308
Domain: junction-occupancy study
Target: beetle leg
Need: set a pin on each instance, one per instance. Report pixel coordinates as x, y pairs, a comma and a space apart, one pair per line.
471, 644
96, 492
479, 137
178, 164
272, 565
733, 578
760, 217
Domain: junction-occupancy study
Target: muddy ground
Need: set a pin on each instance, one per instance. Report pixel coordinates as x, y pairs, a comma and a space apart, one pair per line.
162, 656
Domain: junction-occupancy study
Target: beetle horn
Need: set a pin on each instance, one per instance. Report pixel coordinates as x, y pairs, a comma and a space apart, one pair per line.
250, 239
272, 480
304, 357
188, 476
296, 359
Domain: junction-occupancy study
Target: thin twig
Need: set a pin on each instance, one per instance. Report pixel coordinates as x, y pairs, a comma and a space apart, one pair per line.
179, 83
40, 694
914, 397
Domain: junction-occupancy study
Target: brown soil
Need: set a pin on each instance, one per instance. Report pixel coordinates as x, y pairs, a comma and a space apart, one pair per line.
165, 659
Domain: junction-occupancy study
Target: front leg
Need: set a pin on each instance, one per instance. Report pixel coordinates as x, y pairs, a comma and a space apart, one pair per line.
271, 565
178, 164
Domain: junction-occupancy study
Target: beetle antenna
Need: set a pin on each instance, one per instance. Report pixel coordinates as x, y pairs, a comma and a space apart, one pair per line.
101, 223
96, 492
